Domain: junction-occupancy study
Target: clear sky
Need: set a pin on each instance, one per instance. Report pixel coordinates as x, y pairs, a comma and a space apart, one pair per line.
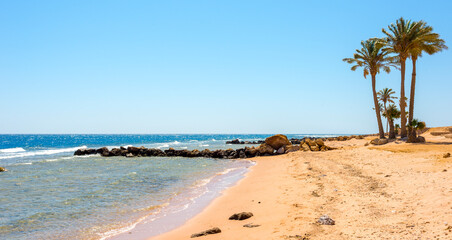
205, 66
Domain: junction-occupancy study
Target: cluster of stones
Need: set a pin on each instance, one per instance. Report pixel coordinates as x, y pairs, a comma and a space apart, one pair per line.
153, 152
274, 145
301, 140
345, 138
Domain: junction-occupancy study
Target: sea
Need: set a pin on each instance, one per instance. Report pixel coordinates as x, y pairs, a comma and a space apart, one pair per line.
48, 193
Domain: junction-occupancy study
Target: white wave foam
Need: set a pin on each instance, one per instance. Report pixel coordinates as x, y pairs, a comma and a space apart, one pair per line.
163, 146
53, 160
26, 163
204, 145
41, 152
114, 232
12, 150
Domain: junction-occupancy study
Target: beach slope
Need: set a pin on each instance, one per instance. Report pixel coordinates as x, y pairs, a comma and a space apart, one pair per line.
394, 191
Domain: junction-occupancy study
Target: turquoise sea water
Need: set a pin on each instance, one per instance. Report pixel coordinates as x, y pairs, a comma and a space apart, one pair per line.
48, 193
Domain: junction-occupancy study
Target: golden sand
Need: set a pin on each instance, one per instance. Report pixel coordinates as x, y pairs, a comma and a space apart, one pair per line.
394, 191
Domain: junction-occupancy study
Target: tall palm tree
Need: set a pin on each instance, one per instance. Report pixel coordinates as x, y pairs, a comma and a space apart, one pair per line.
372, 57
400, 39
391, 114
385, 96
429, 42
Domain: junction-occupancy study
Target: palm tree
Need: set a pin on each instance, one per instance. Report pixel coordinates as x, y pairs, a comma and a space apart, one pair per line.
385, 96
400, 39
416, 125
372, 57
391, 114
428, 42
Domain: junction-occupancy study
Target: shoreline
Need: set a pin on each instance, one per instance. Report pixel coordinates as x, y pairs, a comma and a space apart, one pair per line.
183, 206
216, 214
397, 190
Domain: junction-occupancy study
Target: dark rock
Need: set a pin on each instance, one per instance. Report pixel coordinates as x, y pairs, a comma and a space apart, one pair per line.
104, 152
236, 141
214, 230
170, 152
241, 216
79, 152
420, 139
447, 155
101, 150
206, 153
250, 225
251, 152
115, 152
218, 153
134, 150
280, 150
325, 220
85, 151
242, 153
2, 169
194, 153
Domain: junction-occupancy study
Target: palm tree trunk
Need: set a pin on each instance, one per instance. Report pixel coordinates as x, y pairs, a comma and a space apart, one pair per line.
402, 99
412, 132
387, 119
377, 109
391, 128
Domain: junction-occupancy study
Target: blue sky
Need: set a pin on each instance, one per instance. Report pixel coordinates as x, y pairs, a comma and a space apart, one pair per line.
205, 66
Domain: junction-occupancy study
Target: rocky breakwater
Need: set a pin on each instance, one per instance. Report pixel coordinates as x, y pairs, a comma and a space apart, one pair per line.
237, 141
274, 145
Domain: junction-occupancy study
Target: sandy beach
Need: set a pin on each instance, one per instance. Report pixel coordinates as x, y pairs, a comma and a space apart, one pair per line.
393, 191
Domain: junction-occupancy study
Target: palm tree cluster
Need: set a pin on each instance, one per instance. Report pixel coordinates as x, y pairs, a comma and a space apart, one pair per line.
403, 40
